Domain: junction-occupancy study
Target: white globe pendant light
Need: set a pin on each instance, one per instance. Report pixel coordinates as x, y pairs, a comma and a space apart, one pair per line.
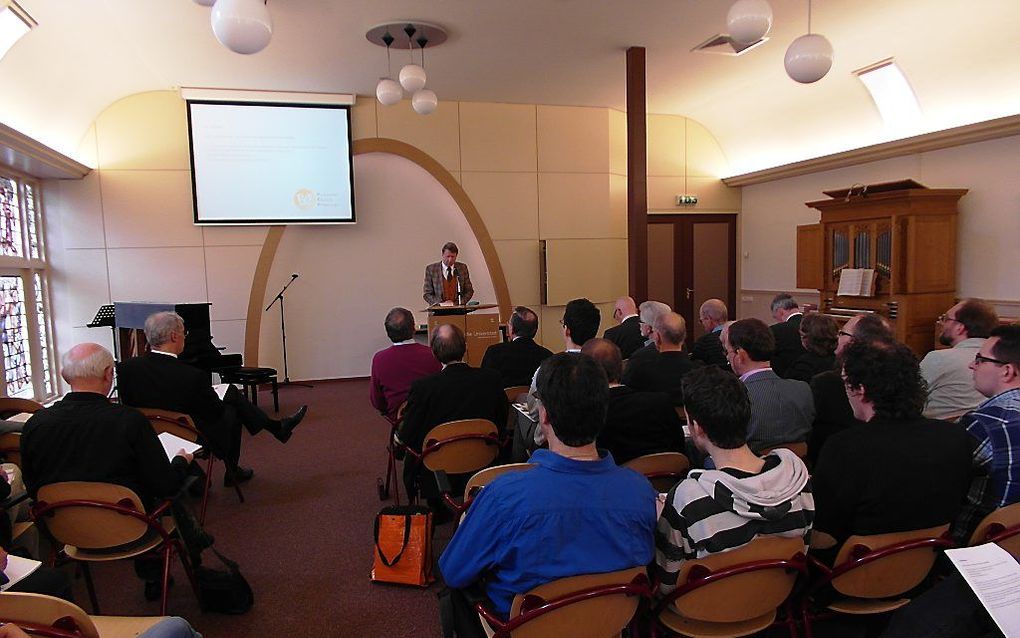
243, 26
205, 3
424, 101
412, 78
388, 92
808, 59
749, 20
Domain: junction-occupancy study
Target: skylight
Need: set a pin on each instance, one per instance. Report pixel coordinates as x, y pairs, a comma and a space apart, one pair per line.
14, 23
893, 96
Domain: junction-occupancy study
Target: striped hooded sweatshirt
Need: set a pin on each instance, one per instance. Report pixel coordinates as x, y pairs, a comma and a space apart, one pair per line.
718, 510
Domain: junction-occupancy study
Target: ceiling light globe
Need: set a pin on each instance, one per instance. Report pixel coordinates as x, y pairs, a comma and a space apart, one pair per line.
388, 92
749, 20
205, 3
412, 78
424, 101
243, 26
808, 59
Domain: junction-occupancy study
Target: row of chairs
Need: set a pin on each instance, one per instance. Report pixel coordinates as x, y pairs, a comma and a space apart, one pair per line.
741, 592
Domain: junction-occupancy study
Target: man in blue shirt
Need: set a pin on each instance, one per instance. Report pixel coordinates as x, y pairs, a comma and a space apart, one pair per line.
575, 513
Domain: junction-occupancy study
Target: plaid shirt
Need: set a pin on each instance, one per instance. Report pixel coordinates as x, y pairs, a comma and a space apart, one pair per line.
995, 426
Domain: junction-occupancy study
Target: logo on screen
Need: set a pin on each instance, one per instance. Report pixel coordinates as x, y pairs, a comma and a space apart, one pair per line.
305, 199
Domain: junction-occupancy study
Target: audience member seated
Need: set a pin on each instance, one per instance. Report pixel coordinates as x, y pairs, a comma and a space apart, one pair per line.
746, 497
627, 336
832, 408
781, 409
786, 331
708, 348
457, 392
169, 627
951, 390
637, 423
818, 335
85, 437
665, 372
580, 322
897, 471
575, 513
649, 311
518, 358
995, 427
397, 367
159, 380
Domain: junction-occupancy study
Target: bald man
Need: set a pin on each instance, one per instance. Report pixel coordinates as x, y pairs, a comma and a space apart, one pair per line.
627, 336
708, 349
665, 372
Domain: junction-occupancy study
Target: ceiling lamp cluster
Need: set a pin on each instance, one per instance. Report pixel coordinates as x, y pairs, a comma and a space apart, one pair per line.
243, 26
807, 59
412, 76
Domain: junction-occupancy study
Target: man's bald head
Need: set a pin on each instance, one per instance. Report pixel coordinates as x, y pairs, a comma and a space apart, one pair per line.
606, 354
868, 327
713, 313
624, 307
88, 367
448, 344
672, 330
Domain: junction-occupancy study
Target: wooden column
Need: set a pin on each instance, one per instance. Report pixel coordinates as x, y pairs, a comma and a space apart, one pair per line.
637, 176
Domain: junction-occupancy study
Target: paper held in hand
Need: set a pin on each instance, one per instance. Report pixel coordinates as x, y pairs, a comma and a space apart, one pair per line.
994, 575
172, 444
18, 568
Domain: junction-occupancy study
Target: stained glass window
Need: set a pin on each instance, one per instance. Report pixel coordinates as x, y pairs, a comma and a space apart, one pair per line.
14, 326
31, 219
10, 218
44, 348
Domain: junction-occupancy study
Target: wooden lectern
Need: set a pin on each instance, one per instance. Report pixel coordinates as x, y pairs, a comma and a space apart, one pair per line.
480, 330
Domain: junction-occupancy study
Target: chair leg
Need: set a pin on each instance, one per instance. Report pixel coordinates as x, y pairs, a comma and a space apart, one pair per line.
276, 395
189, 570
87, 573
255, 394
208, 485
168, 552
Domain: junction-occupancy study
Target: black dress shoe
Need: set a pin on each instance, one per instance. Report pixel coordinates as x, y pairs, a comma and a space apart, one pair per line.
287, 424
239, 475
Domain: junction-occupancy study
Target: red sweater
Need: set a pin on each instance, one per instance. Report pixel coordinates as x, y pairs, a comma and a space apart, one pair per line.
394, 370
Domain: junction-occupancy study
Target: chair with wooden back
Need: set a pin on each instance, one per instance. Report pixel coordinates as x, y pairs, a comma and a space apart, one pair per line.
873, 573
182, 425
1001, 527
478, 481
662, 469
591, 605
391, 459
734, 593
459, 447
11, 406
10, 448
40, 615
513, 393
100, 522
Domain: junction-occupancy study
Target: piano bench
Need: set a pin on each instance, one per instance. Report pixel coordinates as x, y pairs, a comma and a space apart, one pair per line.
249, 380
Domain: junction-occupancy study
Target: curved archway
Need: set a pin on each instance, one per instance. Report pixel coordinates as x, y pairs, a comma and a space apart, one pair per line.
440, 174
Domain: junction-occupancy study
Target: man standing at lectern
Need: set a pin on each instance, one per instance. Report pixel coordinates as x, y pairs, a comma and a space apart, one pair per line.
447, 282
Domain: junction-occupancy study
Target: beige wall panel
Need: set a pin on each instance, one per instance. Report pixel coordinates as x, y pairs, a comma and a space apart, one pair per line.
229, 335
436, 134
549, 328
617, 142
713, 195
576, 205
618, 205
520, 261
573, 139
662, 192
363, 122
592, 268
144, 131
234, 235
79, 285
87, 153
497, 137
229, 271
705, 158
507, 202
79, 207
606, 316
149, 208
174, 275
667, 152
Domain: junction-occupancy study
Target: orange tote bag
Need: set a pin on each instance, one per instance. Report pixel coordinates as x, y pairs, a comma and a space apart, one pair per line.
403, 546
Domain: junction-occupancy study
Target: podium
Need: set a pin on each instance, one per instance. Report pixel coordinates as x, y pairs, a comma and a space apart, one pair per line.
481, 330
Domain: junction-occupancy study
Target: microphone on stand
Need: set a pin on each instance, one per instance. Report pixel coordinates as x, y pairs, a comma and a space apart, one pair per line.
294, 276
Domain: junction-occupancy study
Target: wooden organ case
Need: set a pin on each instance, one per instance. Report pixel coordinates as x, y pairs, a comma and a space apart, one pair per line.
906, 232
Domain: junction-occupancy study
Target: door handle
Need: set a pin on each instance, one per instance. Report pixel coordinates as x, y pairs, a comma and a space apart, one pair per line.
689, 291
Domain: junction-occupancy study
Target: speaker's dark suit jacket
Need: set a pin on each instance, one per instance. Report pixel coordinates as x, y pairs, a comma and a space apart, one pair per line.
627, 336
458, 392
639, 423
709, 350
788, 347
663, 373
515, 361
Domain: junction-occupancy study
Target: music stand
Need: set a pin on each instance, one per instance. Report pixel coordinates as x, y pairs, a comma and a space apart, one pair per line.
105, 317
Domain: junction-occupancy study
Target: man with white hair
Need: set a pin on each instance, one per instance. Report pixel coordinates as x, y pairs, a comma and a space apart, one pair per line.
648, 312
158, 379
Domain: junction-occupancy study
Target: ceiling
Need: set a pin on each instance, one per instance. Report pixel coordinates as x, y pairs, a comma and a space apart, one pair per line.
962, 59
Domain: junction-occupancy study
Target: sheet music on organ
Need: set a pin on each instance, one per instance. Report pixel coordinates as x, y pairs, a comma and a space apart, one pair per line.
856, 282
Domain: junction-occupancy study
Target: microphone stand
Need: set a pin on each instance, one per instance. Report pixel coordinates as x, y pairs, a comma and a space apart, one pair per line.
283, 331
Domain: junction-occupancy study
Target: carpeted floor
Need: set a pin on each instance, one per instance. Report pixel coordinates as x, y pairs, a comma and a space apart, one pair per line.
304, 535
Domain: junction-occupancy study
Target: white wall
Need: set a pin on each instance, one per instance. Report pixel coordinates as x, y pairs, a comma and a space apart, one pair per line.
989, 226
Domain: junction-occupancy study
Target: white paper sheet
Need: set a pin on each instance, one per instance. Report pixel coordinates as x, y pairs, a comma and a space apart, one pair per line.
172, 443
994, 575
221, 389
18, 568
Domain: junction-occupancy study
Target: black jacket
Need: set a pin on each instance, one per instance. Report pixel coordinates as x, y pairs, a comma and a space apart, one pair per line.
709, 350
788, 346
515, 361
627, 336
639, 423
663, 373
